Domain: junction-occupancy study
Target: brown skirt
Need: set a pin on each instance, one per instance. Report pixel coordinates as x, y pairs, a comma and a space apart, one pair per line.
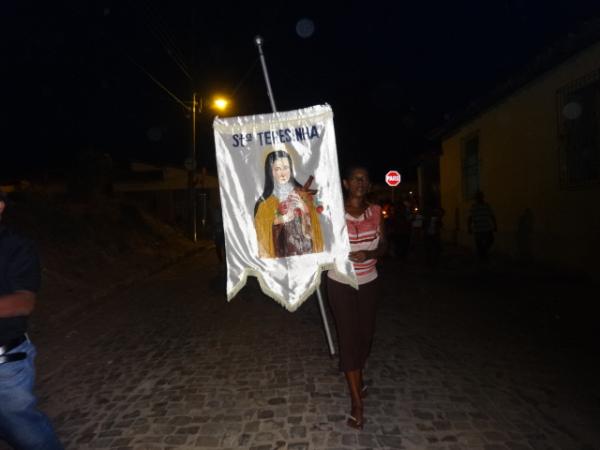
354, 314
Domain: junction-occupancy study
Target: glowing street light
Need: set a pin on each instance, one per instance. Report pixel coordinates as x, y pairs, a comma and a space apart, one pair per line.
220, 103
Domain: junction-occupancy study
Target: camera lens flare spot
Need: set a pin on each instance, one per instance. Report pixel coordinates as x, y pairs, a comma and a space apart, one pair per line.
572, 110
305, 28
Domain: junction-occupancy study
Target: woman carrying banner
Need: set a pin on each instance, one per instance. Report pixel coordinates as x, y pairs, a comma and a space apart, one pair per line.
354, 310
285, 216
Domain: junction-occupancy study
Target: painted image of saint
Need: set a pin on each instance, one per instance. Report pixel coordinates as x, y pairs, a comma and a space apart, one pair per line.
285, 216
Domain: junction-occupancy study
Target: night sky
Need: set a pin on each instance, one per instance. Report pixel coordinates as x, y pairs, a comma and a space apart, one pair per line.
77, 73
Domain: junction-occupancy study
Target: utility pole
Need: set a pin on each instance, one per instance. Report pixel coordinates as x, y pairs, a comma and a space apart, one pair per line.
192, 163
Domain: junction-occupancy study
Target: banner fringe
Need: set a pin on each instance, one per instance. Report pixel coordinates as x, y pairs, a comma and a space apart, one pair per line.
314, 285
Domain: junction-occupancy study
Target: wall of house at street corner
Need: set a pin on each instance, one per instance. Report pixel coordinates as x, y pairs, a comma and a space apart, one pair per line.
539, 217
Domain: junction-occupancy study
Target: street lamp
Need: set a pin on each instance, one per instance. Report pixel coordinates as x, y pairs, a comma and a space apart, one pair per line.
220, 104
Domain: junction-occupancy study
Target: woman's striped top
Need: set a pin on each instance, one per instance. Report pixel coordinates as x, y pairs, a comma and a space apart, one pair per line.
363, 232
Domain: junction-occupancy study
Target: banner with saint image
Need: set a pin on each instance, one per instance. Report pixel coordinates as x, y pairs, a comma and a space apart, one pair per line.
283, 211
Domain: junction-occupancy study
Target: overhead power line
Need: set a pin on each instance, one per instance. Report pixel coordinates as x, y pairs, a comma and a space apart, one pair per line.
168, 37
152, 21
243, 79
159, 84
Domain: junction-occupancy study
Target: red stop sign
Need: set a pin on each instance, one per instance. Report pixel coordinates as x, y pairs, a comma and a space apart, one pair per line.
393, 178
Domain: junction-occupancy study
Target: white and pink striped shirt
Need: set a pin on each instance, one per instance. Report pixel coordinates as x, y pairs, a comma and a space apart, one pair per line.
363, 232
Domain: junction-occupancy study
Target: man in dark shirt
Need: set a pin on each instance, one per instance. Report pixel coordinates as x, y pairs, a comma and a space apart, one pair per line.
482, 224
22, 425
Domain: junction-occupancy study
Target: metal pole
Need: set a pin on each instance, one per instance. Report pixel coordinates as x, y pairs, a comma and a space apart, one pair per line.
325, 322
192, 173
204, 196
258, 41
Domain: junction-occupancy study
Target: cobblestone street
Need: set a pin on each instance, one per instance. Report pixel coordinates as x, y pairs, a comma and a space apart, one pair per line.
168, 363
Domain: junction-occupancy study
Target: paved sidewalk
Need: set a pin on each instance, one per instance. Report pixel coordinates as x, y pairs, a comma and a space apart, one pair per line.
169, 364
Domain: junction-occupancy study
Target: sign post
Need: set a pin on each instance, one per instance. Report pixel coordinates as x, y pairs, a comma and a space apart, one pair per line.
393, 179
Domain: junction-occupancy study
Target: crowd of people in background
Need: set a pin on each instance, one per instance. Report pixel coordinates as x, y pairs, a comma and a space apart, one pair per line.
411, 228
415, 229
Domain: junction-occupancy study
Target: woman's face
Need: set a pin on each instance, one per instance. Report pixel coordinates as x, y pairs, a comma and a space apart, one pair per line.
281, 170
358, 183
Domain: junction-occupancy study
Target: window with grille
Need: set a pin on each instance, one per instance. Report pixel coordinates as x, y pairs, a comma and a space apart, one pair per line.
470, 166
578, 110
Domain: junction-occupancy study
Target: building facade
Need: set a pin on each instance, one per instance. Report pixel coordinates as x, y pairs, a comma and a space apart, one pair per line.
535, 154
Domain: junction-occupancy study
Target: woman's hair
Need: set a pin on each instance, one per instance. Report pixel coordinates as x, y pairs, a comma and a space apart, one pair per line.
269, 183
349, 169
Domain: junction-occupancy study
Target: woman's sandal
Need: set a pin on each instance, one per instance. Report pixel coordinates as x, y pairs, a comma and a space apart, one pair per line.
354, 422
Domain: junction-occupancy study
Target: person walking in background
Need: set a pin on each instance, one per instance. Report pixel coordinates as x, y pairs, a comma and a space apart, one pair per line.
22, 425
354, 310
482, 225
402, 231
398, 230
432, 233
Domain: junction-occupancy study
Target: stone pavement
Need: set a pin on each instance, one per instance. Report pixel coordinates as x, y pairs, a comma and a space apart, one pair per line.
169, 364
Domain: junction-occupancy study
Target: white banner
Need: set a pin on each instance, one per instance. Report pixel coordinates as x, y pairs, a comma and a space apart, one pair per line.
283, 211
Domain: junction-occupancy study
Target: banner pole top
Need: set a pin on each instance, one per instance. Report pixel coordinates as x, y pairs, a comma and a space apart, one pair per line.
258, 40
